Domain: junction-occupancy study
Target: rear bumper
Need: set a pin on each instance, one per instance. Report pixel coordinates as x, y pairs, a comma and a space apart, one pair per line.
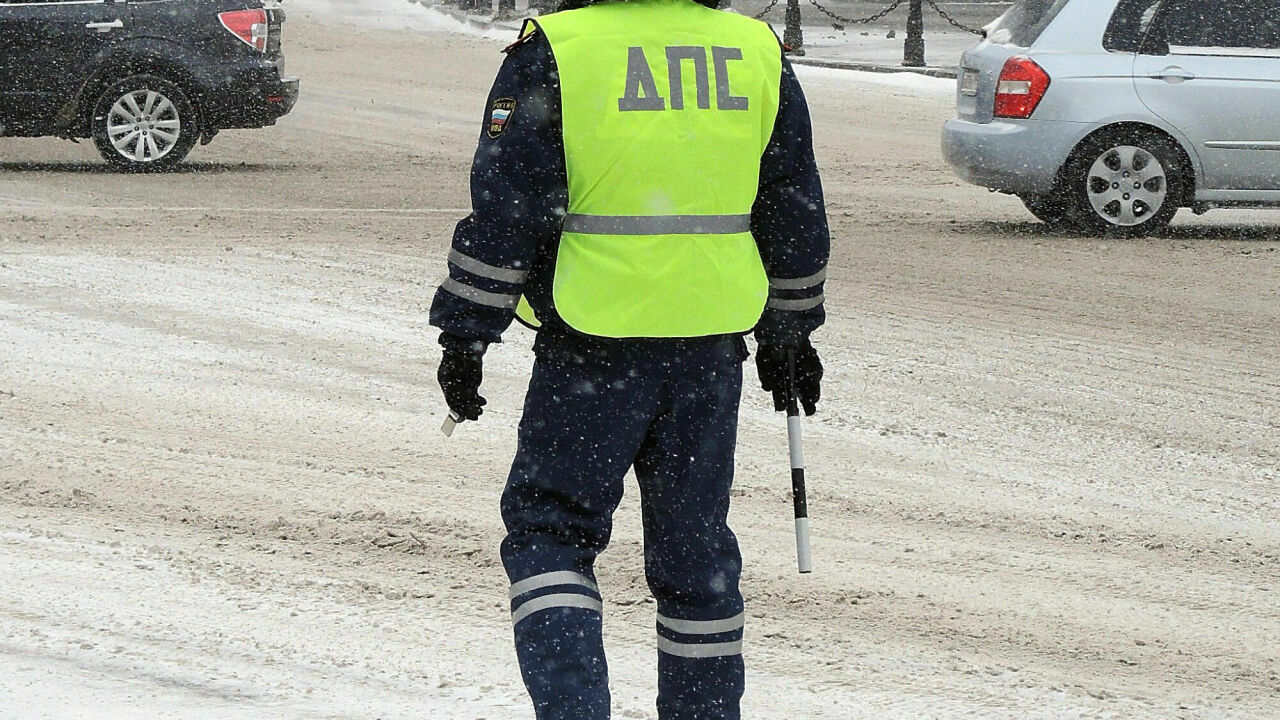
250, 96
290, 96
1017, 157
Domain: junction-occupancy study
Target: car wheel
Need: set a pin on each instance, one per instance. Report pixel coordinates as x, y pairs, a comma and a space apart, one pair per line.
1049, 209
144, 123
1128, 184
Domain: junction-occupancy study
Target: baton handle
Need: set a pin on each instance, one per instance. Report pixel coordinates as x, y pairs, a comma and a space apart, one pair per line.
799, 495
450, 423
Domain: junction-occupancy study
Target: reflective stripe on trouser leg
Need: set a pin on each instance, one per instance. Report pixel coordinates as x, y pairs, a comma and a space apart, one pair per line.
701, 638
559, 589
548, 602
552, 579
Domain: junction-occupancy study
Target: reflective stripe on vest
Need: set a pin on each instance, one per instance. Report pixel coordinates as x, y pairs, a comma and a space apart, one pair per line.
658, 224
668, 107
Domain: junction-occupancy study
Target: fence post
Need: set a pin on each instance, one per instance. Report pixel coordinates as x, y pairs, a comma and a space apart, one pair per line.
793, 36
913, 51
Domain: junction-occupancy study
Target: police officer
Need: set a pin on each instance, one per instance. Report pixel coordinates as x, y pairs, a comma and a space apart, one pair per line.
645, 180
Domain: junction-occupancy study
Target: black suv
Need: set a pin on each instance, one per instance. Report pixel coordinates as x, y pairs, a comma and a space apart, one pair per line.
146, 79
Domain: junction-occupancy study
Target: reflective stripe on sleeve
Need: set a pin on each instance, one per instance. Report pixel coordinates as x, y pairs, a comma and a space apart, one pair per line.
803, 283
485, 270
562, 600
560, 577
704, 627
796, 305
696, 650
482, 297
657, 224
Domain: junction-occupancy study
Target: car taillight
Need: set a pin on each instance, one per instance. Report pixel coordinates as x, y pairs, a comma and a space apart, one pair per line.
1020, 89
248, 25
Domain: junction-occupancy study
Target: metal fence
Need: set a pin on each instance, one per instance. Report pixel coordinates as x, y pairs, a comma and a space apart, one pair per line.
968, 16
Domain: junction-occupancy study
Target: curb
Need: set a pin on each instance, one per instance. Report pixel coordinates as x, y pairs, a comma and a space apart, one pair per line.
482, 22
949, 73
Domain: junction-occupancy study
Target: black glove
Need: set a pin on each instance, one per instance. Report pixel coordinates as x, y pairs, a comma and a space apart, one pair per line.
771, 366
459, 375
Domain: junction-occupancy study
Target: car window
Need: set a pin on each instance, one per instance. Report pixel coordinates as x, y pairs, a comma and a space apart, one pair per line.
1197, 27
1129, 25
1023, 23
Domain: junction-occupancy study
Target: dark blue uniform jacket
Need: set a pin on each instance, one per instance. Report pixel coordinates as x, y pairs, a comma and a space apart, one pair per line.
519, 195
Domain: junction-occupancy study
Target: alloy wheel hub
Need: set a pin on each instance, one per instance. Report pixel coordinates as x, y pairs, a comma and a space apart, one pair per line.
144, 126
1127, 186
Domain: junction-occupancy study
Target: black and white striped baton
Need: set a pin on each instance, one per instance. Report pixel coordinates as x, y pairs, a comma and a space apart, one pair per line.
795, 441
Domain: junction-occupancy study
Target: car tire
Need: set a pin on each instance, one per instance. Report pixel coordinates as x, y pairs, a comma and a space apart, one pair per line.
144, 123
1127, 184
1050, 209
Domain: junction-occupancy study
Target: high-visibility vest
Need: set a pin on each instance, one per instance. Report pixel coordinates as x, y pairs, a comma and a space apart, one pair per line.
668, 107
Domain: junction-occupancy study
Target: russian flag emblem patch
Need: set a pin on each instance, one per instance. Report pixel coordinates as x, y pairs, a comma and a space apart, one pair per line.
500, 116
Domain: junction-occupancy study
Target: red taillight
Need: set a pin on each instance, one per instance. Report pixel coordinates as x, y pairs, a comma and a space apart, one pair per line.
248, 25
1021, 87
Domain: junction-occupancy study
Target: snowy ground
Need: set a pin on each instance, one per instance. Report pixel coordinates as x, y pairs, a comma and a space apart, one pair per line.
1045, 476
405, 15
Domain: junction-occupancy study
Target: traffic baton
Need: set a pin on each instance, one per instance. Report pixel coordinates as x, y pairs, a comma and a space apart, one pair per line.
450, 423
795, 441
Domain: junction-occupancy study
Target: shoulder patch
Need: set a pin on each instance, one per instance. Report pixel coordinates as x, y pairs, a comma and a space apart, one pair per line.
523, 39
500, 116
527, 32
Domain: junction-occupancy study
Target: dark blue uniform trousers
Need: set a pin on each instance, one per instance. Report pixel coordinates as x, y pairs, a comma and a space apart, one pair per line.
593, 411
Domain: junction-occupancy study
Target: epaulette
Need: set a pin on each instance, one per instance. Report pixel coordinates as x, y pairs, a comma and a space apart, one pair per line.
527, 33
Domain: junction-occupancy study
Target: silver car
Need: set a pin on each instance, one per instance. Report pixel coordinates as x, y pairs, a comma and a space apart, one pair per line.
1109, 115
